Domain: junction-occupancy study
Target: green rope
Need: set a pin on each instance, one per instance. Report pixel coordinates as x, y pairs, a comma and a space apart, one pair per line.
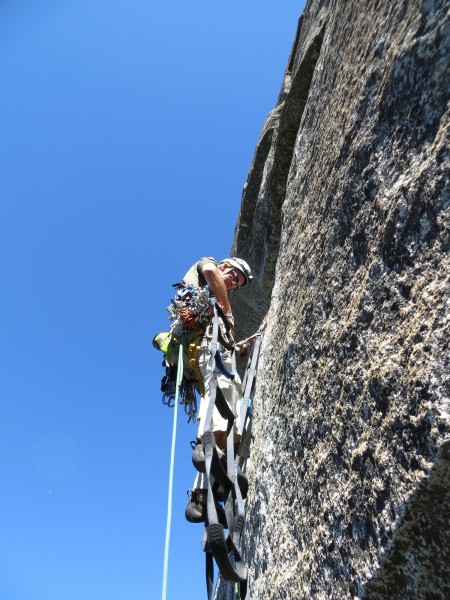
172, 461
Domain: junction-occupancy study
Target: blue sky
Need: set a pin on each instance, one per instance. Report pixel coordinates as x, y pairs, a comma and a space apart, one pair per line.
128, 129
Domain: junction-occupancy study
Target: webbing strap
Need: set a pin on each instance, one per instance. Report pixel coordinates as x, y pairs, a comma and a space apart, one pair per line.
224, 410
227, 551
214, 542
251, 369
209, 574
222, 368
236, 529
248, 388
236, 524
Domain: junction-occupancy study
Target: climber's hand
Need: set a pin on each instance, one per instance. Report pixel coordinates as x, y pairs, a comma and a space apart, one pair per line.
242, 348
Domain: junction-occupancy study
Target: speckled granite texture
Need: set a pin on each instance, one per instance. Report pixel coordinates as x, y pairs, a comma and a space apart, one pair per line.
345, 219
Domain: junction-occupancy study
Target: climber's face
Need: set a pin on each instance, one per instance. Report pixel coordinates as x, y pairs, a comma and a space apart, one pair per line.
232, 277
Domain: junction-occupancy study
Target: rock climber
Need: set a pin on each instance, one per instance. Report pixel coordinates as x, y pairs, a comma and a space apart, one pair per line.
221, 278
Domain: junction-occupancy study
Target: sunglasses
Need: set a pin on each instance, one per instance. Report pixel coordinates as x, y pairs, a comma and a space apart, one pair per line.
236, 280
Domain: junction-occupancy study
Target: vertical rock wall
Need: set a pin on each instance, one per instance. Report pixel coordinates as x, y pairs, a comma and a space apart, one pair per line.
345, 219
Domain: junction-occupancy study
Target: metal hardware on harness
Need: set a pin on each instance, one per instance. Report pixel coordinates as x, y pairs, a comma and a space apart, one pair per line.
190, 300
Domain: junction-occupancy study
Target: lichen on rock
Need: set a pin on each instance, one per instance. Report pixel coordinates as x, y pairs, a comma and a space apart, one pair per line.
345, 220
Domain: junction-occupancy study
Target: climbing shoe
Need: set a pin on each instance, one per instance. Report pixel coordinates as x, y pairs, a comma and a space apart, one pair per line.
198, 460
196, 507
198, 457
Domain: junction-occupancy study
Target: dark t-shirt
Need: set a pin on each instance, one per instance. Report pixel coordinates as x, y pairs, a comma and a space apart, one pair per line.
195, 276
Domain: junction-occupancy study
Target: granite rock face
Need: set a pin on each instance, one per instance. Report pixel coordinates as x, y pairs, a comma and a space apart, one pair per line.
345, 219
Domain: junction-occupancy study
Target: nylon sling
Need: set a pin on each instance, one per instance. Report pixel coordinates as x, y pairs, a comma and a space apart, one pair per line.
248, 389
227, 551
215, 544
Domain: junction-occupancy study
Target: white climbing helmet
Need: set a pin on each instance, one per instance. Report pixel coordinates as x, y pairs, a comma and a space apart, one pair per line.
242, 266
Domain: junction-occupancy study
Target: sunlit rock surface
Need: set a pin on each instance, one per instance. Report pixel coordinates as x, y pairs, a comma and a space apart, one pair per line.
345, 219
